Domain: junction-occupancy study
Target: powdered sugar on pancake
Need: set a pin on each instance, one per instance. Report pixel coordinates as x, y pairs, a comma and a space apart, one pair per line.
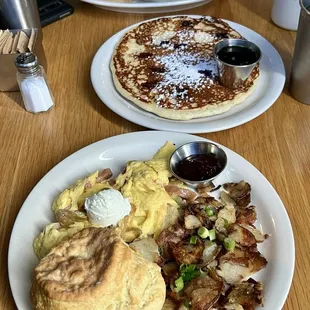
167, 35
183, 70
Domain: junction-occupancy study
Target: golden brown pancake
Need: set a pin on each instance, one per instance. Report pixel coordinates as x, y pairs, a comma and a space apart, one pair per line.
166, 66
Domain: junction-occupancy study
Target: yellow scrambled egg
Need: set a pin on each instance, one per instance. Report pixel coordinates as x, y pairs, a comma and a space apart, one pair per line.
53, 234
66, 208
73, 197
143, 183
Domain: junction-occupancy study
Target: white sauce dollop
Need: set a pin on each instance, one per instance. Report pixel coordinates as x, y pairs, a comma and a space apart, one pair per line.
107, 207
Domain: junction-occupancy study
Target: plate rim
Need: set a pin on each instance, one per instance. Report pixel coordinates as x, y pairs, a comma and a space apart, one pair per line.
165, 134
159, 123
141, 5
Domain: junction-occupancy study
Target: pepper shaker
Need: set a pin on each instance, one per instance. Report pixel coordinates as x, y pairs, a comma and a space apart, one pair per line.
300, 74
33, 84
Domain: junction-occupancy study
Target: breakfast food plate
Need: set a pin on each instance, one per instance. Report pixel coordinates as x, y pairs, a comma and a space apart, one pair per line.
147, 7
114, 153
267, 89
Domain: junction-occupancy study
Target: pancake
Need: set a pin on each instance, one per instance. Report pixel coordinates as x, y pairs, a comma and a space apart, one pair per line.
166, 66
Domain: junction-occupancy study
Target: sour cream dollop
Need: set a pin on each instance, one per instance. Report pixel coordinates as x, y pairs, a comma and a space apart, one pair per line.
107, 207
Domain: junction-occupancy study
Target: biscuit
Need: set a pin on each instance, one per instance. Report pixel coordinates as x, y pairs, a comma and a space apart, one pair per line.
96, 270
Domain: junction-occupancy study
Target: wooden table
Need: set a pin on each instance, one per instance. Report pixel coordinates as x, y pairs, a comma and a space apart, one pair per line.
277, 142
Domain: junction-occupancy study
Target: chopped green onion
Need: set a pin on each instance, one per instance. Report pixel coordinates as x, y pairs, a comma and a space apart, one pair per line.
203, 232
182, 267
190, 267
193, 240
187, 304
189, 272
212, 234
226, 224
229, 244
209, 211
179, 284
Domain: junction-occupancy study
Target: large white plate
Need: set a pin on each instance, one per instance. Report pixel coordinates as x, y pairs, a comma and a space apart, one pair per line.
269, 88
148, 7
114, 153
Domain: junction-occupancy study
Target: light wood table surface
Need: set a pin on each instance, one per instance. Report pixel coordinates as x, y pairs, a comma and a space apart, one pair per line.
277, 142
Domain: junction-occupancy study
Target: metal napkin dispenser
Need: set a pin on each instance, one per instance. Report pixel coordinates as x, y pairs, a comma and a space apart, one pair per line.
7, 67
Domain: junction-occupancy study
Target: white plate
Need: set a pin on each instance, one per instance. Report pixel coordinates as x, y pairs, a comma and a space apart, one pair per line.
148, 7
269, 88
114, 153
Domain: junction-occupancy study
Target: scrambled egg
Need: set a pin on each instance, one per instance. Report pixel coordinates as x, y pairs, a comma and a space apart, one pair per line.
66, 208
73, 197
53, 234
143, 183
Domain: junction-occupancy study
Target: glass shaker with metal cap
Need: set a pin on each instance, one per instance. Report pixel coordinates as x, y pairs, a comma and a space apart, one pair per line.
33, 84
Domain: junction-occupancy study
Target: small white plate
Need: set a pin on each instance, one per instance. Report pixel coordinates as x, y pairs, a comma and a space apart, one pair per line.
269, 88
114, 153
145, 7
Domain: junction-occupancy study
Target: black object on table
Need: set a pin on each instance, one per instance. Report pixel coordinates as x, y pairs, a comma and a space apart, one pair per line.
51, 11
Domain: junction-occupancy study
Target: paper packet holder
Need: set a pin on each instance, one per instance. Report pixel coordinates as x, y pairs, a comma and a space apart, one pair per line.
7, 68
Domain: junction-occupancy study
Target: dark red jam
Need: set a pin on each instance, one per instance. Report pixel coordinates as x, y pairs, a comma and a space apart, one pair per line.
199, 167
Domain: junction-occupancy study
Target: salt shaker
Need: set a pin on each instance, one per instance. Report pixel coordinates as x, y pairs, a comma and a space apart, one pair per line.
300, 74
33, 84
